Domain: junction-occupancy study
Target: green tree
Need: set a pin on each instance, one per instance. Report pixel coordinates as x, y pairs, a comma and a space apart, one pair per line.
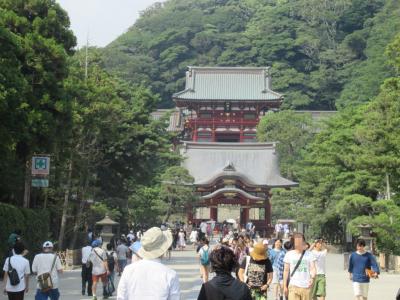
176, 189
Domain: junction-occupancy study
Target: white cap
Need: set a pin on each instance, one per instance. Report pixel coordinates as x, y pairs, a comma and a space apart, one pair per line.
48, 244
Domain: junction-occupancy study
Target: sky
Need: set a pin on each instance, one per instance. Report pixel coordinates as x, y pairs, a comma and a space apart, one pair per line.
102, 20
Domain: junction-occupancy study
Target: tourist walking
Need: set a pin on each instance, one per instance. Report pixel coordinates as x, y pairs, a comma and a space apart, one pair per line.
256, 271
181, 240
204, 253
362, 267
319, 250
16, 271
86, 272
122, 256
223, 285
148, 278
273, 256
47, 265
112, 264
299, 270
98, 258
287, 246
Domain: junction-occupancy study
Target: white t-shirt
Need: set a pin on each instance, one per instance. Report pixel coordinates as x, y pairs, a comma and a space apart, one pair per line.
203, 227
320, 257
98, 264
42, 264
301, 278
85, 253
21, 264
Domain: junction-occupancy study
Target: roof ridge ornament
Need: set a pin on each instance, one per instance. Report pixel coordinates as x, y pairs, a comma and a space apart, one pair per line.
229, 166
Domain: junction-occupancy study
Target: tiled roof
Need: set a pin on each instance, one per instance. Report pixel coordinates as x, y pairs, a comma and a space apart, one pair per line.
175, 119
228, 83
258, 162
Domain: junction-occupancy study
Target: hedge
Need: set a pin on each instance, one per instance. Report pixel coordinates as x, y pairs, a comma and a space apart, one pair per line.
34, 225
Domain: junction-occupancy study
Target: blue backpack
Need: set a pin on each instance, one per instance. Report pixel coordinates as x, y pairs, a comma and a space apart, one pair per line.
204, 260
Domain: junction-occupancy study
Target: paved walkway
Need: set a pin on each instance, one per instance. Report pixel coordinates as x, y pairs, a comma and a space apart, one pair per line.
185, 263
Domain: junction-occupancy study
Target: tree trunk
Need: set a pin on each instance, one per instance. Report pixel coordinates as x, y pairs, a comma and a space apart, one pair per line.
169, 211
78, 219
27, 191
65, 207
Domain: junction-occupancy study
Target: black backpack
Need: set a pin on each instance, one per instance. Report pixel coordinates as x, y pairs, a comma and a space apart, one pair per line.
110, 261
12, 274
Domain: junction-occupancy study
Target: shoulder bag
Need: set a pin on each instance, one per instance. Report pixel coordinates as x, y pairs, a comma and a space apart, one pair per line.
44, 280
12, 274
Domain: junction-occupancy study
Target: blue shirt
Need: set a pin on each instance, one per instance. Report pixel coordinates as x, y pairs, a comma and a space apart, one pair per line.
358, 263
280, 264
273, 255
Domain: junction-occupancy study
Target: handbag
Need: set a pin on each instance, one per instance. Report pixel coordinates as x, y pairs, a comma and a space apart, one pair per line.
44, 280
12, 274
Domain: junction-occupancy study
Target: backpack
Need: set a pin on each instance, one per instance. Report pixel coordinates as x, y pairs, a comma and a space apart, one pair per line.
204, 259
110, 261
12, 274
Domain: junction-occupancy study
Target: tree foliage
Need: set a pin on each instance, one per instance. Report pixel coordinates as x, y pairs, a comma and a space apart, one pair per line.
349, 172
324, 54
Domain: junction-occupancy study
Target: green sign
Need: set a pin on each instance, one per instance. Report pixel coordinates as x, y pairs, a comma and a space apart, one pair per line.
40, 182
40, 165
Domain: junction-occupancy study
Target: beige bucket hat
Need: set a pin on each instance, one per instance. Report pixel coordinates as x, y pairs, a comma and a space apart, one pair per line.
155, 243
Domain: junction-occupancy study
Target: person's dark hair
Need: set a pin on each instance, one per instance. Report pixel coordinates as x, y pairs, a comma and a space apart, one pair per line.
276, 241
361, 243
18, 231
19, 247
204, 240
287, 245
223, 260
109, 246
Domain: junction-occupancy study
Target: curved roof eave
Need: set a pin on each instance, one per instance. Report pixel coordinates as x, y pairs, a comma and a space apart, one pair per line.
228, 174
232, 190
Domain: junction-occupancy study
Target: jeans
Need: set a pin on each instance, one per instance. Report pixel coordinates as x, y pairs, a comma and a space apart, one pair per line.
110, 283
122, 265
86, 277
53, 294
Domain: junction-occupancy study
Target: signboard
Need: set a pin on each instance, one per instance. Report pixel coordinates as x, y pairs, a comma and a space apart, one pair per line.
40, 182
40, 165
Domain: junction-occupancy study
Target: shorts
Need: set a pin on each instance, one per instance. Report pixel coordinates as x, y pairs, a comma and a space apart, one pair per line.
361, 289
319, 287
97, 278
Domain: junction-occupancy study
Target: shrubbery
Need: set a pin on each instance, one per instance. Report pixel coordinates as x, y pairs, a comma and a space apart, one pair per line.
33, 224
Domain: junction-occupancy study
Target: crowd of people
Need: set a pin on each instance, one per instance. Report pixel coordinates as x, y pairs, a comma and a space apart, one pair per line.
245, 266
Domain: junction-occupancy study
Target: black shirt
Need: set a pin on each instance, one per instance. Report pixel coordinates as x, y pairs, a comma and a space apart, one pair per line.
258, 270
224, 287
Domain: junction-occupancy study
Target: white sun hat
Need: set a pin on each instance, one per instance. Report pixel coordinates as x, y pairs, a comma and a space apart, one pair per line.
48, 244
155, 243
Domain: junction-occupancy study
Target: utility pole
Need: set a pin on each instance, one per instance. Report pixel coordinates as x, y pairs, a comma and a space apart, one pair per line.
86, 57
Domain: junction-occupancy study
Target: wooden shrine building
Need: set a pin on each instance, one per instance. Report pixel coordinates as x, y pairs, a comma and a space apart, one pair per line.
233, 173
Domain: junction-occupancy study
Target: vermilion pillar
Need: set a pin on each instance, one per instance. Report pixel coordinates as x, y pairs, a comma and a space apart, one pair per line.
214, 213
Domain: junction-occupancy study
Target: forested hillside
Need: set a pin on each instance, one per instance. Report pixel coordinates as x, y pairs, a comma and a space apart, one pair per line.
324, 54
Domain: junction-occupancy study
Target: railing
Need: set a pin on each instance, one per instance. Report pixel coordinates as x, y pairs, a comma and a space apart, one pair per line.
223, 122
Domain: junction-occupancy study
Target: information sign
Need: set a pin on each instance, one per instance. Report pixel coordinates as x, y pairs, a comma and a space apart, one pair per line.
40, 165
40, 182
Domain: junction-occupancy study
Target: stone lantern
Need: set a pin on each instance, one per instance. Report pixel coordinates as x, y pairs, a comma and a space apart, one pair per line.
107, 229
365, 230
